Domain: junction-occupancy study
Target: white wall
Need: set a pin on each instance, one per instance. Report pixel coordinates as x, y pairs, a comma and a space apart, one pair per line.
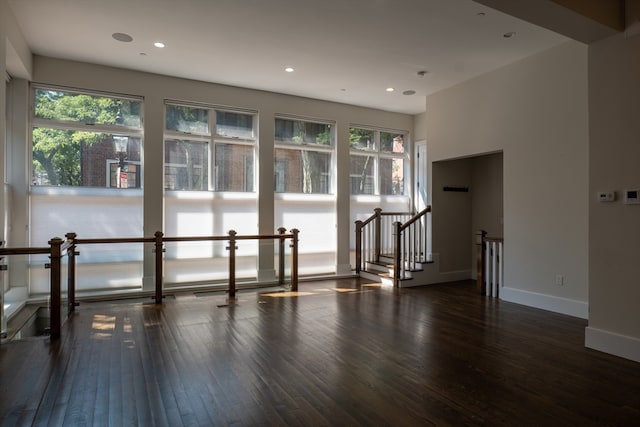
451, 217
487, 209
614, 228
535, 111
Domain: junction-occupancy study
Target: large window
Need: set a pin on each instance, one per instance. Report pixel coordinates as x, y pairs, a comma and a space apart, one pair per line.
303, 156
85, 140
191, 164
378, 161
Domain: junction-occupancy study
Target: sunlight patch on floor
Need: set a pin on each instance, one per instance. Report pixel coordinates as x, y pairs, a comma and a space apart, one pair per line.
287, 294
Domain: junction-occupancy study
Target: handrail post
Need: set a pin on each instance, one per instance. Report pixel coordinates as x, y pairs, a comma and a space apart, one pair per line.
159, 251
294, 260
55, 299
397, 253
281, 231
377, 233
480, 260
232, 263
3, 326
358, 246
71, 272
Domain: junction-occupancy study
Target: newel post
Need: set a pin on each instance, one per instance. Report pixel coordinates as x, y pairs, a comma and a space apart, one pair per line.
377, 233
55, 299
159, 251
71, 271
358, 246
232, 263
281, 231
481, 284
397, 254
294, 260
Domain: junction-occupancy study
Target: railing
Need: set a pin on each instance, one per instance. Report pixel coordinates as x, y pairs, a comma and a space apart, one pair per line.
410, 245
489, 266
374, 237
398, 235
59, 247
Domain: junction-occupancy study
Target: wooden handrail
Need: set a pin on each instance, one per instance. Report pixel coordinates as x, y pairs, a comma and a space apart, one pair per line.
415, 218
24, 251
58, 247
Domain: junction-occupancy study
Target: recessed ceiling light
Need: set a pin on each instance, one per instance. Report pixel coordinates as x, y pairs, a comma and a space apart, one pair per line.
289, 69
159, 45
122, 37
409, 92
142, 54
480, 14
509, 34
422, 73
389, 89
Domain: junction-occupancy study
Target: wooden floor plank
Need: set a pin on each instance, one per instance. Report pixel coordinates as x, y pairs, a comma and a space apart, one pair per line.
341, 354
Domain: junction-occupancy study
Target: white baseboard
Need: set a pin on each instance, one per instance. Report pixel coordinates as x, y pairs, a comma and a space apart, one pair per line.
612, 343
546, 302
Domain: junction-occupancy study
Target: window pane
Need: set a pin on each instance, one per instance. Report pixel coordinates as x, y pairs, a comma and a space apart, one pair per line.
234, 167
361, 175
187, 119
78, 158
392, 176
361, 139
391, 142
302, 171
234, 125
186, 165
303, 132
92, 109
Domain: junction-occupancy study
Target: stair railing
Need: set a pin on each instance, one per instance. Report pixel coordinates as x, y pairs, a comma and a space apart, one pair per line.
374, 237
398, 235
410, 245
489, 265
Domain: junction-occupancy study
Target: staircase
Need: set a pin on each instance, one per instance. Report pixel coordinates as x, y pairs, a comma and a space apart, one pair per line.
391, 248
383, 272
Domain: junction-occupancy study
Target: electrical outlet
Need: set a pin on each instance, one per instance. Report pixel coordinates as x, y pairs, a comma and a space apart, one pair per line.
560, 280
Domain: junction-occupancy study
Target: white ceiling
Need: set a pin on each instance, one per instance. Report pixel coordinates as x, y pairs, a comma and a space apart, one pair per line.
343, 50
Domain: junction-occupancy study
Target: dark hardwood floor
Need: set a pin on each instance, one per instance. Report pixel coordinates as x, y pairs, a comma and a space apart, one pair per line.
339, 353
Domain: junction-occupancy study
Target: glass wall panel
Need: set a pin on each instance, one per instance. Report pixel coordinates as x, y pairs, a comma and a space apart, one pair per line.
362, 139
186, 165
187, 119
302, 171
303, 132
234, 125
361, 174
234, 167
392, 176
57, 105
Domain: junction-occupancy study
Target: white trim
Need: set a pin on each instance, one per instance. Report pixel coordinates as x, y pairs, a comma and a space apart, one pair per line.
307, 119
546, 302
612, 343
217, 107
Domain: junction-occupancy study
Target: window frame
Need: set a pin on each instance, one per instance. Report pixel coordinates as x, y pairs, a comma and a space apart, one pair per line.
280, 144
378, 155
211, 138
80, 126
